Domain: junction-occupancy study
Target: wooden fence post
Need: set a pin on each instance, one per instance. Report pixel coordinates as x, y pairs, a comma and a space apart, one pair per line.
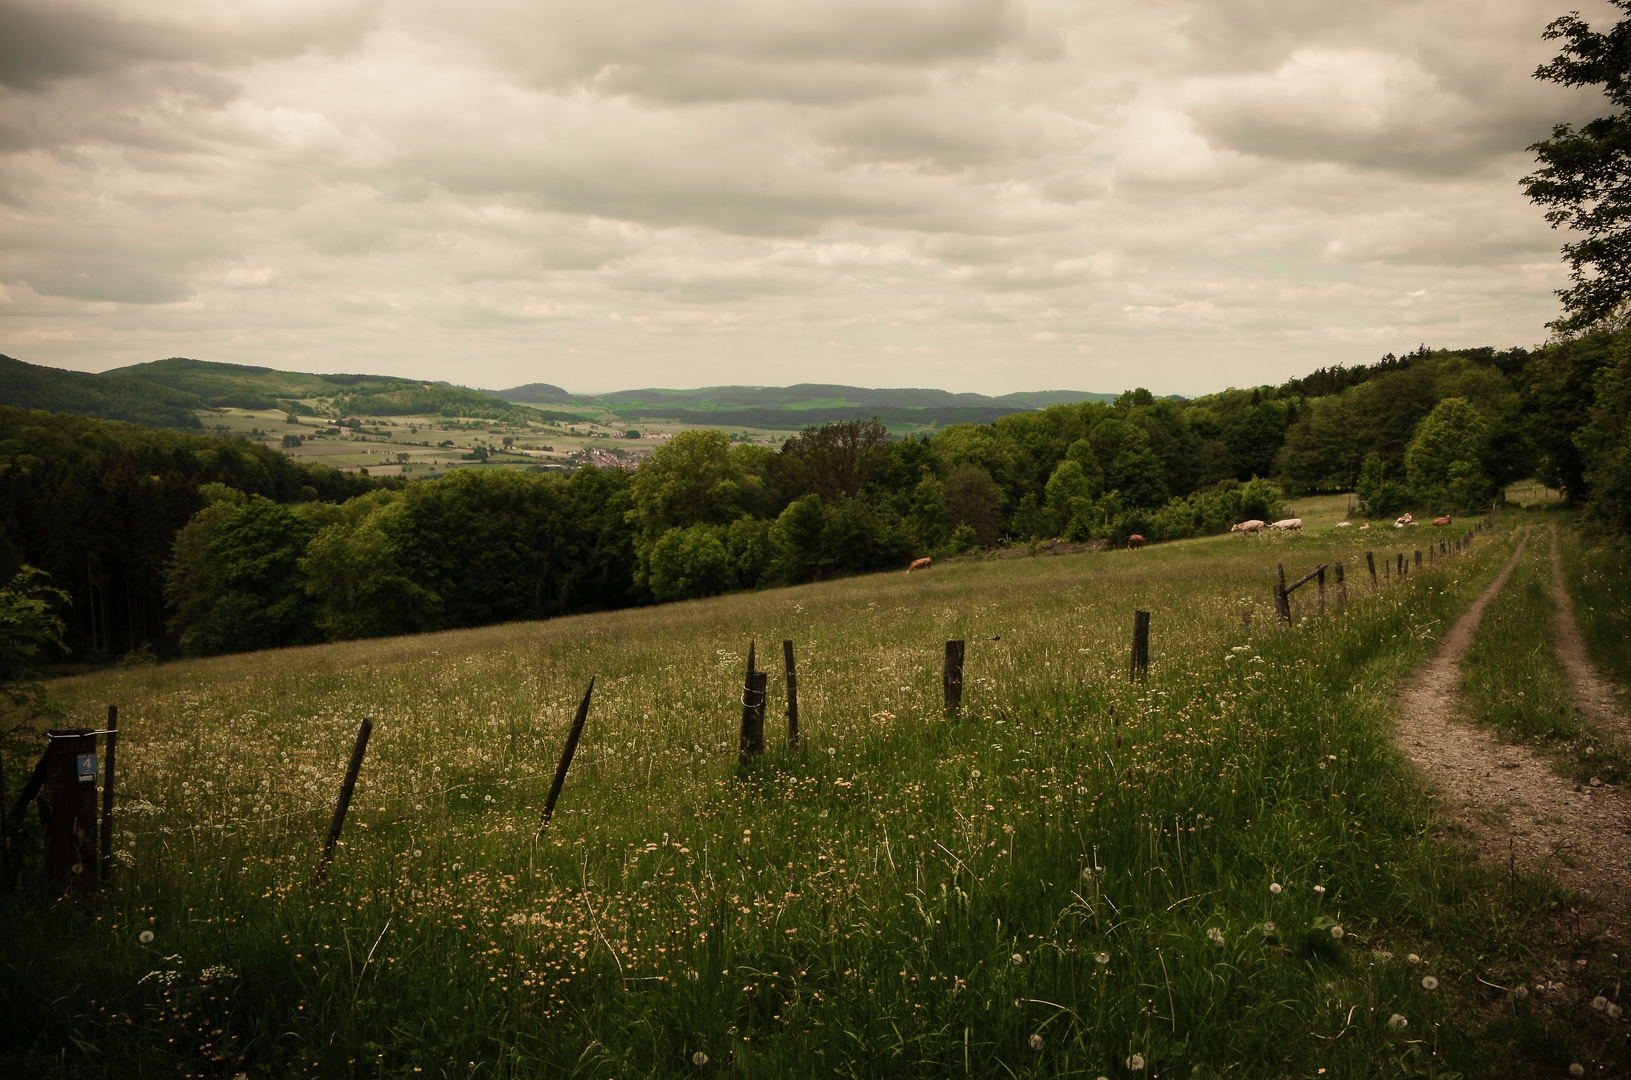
1342, 586
1400, 558
1322, 589
1418, 560
67, 797
1141, 644
1282, 602
792, 696
567, 753
752, 741
951, 677
107, 794
1370, 561
344, 801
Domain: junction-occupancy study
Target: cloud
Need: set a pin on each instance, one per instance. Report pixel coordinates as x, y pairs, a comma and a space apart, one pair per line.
1196, 192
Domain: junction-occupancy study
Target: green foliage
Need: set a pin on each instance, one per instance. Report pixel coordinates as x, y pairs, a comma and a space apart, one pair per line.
1585, 176
29, 623
1444, 461
1604, 441
105, 396
1378, 495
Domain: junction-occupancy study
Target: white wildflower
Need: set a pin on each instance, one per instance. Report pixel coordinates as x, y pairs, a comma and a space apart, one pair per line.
699, 1059
145, 937
1135, 1062
1429, 983
1215, 936
1036, 1042
1018, 958
1337, 931
1274, 887
1102, 958
1397, 1022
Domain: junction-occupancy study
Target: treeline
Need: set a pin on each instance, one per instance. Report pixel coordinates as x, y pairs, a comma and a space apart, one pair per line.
212, 545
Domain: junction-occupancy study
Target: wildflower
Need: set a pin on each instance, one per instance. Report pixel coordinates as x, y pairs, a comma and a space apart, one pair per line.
1429, 983
1215, 936
974, 774
1036, 1042
1337, 931
1412, 958
1600, 1003
1135, 1062
417, 853
1397, 1022
1577, 1069
1274, 887
145, 937
1269, 928
1102, 958
1018, 958
699, 1059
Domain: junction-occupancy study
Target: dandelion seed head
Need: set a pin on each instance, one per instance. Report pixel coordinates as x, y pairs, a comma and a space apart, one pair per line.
1412, 958
699, 1059
1520, 992
1018, 958
1577, 1069
1102, 958
1429, 983
1269, 928
1215, 936
1274, 887
1135, 1062
1319, 890
1614, 1011
1600, 1003
1337, 931
1036, 1042
1397, 1022
145, 936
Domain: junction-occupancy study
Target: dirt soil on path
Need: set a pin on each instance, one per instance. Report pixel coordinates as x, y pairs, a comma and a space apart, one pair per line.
1514, 808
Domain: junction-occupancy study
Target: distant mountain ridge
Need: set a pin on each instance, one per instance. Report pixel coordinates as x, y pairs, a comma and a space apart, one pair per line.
792, 407
170, 393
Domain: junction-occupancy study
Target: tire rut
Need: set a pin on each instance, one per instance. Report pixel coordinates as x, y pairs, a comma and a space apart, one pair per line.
1593, 695
1517, 812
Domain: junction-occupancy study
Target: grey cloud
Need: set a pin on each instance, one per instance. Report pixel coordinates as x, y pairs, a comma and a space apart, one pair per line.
41, 42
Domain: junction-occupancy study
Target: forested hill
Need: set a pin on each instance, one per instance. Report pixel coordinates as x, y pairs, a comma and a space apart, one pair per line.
106, 397
170, 541
790, 408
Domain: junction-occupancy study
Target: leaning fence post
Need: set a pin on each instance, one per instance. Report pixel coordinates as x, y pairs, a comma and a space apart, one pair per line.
107, 794
751, 743
1141, 644
952, 677
567, 752
344, 801
792, 696
1370, 561
67, 797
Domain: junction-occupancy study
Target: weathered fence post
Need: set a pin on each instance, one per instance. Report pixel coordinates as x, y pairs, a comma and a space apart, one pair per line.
792, 696
1282, 602
344, 801
752, 741
1342, 586
1401, 564
952, 677
1322, 589
567, 752
107, 794
1418, 560
1141, 644
67, 797
1370, 561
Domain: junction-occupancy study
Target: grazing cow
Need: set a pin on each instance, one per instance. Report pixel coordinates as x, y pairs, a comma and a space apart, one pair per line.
1287, 524
1445, 520
1135, 541
1344, 524
920, 564
1252, 526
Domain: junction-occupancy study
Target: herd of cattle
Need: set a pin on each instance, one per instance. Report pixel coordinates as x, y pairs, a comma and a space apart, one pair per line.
1252, 526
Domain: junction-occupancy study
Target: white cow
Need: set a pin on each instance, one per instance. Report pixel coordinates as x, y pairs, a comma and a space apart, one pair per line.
1287, 524
1252, 526
1344, 524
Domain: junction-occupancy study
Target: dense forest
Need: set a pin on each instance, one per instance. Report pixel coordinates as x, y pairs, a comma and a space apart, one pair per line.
164, 541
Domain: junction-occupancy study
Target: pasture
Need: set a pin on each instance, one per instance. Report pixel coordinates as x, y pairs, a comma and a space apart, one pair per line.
1222, 870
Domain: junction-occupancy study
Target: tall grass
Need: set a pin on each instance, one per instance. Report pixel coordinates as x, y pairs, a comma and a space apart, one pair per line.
1071, 878
1598, 568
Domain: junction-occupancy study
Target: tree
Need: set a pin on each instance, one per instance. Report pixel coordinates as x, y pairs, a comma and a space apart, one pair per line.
28, 623
1444, 461
1585, 175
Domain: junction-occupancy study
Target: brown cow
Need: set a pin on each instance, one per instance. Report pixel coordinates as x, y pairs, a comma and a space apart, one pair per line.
920, 564
1445, 520
1135, 541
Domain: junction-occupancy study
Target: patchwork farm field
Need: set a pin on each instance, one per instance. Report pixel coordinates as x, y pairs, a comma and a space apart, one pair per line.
1225, 869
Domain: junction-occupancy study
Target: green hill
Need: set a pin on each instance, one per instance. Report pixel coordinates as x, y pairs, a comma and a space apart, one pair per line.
105, 396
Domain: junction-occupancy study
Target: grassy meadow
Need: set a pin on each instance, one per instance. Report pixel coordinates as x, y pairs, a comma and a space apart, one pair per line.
1224, 870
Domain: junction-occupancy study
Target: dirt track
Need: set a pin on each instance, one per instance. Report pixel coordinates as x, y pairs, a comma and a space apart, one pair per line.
1515, 809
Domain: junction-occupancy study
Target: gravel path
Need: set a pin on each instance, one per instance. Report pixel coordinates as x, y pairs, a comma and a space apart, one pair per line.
1515, 809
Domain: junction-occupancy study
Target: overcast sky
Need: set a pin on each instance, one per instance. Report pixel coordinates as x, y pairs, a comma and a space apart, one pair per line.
964, 194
